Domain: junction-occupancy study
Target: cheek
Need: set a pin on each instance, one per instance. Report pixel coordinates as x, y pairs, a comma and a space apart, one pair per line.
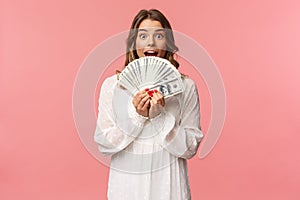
161, 45
140, 44
139, 48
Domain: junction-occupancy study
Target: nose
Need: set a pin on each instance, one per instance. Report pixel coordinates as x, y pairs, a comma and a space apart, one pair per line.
151, 41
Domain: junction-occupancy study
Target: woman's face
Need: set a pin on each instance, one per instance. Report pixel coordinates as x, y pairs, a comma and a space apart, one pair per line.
151, 39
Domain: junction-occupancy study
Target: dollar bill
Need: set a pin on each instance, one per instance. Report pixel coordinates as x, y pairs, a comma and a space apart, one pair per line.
152, 73
169, 88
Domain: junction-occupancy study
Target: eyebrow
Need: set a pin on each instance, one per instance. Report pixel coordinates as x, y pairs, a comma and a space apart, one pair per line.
157, 30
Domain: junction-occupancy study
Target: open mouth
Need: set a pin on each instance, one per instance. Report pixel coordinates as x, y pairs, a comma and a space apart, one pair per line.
150, 53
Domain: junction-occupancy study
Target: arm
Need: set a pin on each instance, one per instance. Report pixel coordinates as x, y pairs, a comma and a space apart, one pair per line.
181, 139
111, 135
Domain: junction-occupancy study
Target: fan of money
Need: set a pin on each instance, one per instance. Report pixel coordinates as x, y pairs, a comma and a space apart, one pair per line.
153, 73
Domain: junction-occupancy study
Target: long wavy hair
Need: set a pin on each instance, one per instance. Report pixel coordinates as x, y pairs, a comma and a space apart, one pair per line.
156, 15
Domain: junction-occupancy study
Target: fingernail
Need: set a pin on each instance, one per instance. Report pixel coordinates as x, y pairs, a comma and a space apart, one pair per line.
150, 93
155, 91
147, 89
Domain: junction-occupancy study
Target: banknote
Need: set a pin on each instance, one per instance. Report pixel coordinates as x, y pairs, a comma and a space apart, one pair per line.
169, 88
153, 73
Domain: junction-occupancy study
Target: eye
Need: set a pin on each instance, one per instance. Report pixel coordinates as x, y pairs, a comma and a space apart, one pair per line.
142, 36
159, 36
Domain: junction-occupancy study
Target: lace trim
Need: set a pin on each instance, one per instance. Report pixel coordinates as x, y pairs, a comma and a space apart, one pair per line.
137, 119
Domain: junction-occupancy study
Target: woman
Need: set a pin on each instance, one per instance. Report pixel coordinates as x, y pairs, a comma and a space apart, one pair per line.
148, 137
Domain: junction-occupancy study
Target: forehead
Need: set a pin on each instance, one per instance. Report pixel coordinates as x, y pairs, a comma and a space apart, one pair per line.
150, 24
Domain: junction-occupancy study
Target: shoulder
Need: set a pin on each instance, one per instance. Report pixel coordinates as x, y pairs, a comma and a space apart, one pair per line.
190, 89
110, 81
107, 89
189, 84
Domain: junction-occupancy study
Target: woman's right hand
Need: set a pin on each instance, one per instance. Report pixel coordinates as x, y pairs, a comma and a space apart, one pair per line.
141, 102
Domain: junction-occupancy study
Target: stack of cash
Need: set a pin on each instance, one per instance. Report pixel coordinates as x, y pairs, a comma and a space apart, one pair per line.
153, 73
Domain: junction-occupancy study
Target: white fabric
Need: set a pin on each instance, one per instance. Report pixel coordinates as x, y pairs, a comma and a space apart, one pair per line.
148, 156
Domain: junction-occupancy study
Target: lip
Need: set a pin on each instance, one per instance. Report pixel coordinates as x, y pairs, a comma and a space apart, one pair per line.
150, 53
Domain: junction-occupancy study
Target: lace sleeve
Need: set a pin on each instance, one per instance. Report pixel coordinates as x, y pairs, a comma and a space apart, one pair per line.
110, 135
182, 139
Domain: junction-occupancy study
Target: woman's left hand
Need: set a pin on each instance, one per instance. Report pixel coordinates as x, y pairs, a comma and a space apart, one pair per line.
157, 103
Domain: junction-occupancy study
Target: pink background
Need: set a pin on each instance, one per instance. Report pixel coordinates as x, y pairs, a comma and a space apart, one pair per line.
256, 46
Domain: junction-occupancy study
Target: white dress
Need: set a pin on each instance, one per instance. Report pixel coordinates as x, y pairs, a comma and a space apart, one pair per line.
148, 156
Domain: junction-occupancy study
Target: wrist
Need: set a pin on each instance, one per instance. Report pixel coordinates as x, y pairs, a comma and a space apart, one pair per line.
137, 118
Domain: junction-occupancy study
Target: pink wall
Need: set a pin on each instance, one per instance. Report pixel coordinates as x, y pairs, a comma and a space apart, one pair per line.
255, 45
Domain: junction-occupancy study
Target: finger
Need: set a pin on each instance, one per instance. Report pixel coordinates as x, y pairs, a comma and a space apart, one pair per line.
161, 97
146, 105
142, 95
150, 93
151, 103
158, 94
135, 101
142, 102
144, 99
158, 99
154, 99
143, 91
138, 97
138, 94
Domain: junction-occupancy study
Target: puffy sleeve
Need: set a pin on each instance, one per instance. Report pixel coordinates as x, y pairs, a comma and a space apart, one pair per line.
181, 138
110, 135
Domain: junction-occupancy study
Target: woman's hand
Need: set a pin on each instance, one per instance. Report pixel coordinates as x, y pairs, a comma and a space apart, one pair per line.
156, 104
141, 102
